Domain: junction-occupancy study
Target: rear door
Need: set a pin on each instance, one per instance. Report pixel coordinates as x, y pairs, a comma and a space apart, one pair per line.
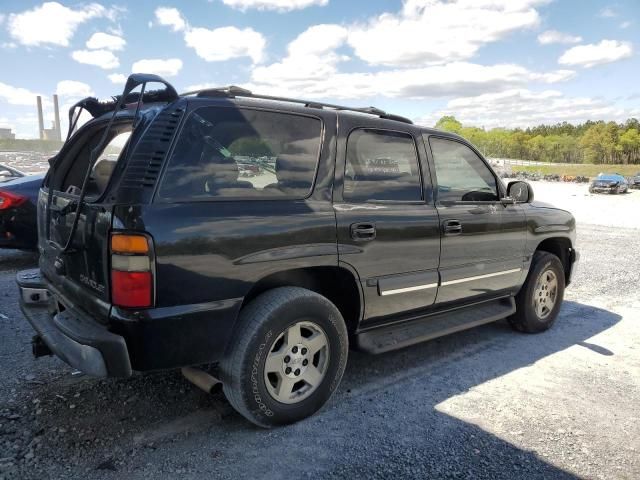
84, 268
482, 240
387, 224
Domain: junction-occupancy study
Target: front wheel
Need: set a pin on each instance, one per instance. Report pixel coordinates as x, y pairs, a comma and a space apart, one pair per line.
538, 301
287, 356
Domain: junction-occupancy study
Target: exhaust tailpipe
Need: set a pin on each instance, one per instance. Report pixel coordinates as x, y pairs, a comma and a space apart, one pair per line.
201, 379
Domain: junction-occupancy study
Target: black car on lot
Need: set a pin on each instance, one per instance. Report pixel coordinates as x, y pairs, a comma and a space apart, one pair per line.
357, 229
609, 183
634, 182
18, 200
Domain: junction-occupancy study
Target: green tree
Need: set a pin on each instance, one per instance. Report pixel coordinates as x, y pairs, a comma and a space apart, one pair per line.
591, 141
449, 124
629, 143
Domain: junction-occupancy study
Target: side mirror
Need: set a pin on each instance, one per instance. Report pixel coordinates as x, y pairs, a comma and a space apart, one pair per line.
519, 192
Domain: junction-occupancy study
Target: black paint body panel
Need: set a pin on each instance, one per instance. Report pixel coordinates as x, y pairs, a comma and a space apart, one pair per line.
210, 255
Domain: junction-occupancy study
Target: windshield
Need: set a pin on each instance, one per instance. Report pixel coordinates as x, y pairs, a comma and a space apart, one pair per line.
611, 178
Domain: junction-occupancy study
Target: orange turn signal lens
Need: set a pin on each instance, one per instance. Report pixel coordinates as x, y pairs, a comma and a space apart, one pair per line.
121, 243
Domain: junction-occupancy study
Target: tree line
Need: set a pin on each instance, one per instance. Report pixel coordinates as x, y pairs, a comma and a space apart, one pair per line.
596, 142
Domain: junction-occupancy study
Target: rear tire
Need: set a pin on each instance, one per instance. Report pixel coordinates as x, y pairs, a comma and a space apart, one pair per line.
287, 357
538, 301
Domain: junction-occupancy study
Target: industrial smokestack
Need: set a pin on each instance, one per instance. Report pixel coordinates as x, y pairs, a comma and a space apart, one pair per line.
40, 118
56, 112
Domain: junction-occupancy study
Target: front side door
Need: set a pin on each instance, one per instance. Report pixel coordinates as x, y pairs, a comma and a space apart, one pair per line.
482, 243
388, 229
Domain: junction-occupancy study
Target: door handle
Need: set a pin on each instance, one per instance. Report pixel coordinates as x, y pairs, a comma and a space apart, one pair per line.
452, 227
361, 232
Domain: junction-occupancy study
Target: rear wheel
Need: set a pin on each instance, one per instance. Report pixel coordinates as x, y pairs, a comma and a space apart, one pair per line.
538, 302
287, 358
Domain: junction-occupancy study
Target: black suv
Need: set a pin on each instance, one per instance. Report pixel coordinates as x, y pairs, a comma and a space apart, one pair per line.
266, 235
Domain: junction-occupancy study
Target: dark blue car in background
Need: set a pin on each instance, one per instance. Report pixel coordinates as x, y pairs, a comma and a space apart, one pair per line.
18, 215
609, 183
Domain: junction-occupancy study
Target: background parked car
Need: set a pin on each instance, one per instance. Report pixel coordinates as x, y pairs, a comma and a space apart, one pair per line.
18, 214
634, 182
609, 183
8, 173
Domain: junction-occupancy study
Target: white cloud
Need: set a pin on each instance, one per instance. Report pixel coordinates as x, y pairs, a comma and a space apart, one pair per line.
437, 31
225, 43
311, 57
117, 78
214, 45
318, 39
170, 17
587, 56
17, 95
163, 67
72, 89
2, 16
52, 23
279, 5
311, 69
104, 59
553, 36
100, 40
608, 12
626, 24
457, 78
524, 108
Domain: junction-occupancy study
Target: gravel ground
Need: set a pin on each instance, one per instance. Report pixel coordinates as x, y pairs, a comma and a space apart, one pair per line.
485, 403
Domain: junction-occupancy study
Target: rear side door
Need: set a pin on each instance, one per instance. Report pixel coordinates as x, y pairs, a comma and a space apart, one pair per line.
387, 224
482, 240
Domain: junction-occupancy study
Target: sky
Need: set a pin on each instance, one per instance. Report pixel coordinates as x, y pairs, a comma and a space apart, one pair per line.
490, 63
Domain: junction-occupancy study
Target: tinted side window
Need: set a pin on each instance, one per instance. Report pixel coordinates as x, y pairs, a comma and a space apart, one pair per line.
231, 152
461, 174
381, 165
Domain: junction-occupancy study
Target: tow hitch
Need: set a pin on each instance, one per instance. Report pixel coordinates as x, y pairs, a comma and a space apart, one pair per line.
39, 348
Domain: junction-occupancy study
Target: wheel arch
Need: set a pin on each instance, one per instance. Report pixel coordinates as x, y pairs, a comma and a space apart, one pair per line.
337, 283
561, 247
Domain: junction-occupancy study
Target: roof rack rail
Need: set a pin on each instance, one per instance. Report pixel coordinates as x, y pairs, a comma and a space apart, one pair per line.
233, 91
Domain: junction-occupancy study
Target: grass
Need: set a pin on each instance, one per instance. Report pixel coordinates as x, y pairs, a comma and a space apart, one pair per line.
587, 170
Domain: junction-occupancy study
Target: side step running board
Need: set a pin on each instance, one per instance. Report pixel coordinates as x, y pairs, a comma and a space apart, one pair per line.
400, 335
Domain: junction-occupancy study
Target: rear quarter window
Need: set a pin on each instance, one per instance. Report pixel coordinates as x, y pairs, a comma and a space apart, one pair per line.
224, 152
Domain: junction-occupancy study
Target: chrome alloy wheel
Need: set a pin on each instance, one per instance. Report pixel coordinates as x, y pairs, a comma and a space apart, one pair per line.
545, 294
297, 362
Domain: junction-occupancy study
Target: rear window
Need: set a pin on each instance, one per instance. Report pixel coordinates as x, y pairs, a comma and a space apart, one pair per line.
104, 165
224, 152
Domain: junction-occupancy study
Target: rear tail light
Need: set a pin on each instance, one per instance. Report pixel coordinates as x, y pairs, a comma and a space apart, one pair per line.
10, 200
131, 271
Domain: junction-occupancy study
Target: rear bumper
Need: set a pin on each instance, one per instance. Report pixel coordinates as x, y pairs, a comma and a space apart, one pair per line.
79, 341
153, 339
